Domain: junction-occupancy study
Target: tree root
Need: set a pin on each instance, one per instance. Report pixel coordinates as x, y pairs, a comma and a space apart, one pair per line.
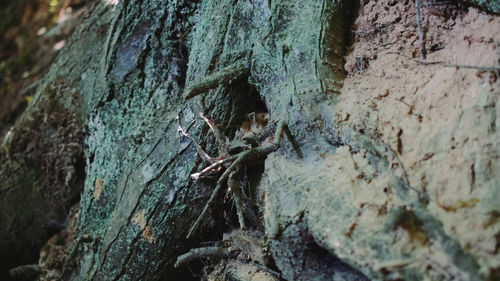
238, 160
221, 78
204, 252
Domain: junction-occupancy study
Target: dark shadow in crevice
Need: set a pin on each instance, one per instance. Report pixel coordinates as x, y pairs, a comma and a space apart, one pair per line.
298, 257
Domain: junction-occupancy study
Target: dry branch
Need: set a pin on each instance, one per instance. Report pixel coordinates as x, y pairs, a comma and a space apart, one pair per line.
420, 31
199, 253
248, 155
201, 152
222, 78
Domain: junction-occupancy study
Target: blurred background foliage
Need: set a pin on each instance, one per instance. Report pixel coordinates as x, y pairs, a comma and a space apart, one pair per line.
31, 34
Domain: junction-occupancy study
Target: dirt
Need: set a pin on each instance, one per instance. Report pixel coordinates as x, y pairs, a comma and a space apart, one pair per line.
55, 252
440, 114
386, 70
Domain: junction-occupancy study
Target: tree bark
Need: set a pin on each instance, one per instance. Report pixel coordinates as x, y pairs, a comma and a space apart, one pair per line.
141, 210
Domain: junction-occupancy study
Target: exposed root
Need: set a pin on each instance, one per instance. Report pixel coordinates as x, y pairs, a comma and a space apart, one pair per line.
224, 77
241, 255
204, 252
234, 184
420, 31
206, 158
238, 160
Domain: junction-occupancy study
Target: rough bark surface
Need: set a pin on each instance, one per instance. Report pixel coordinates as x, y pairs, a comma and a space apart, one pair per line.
137, 196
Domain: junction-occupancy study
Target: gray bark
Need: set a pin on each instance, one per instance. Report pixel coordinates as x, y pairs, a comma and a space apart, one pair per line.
139, 221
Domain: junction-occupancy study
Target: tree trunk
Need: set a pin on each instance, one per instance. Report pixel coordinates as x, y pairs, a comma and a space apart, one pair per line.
123, 77
138, 202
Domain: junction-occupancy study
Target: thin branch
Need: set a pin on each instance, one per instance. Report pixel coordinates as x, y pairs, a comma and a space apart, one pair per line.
427, 62
420, 31
253, 153
445, 64
201, 152
222, 78
213, 166
234, 183
216, 132
199, 253
205, 209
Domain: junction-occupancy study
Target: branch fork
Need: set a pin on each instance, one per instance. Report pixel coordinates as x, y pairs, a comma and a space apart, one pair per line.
232, 164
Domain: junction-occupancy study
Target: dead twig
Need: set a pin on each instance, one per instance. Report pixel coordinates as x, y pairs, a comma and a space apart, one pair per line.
234, 183
213, 166
445, 64
248, 155
254, 153
420, 31
485, 68
201, 152
222, 78
204, 252
216, 132
428, 62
